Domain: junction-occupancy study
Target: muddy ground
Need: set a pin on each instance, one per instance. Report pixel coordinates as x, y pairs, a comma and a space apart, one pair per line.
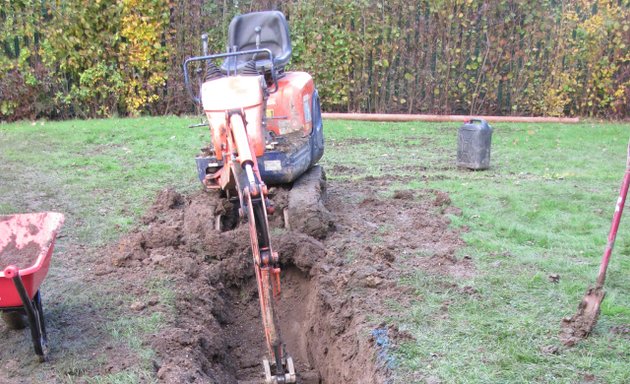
341, 265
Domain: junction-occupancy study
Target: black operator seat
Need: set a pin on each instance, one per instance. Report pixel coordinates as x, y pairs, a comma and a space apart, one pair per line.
274, 35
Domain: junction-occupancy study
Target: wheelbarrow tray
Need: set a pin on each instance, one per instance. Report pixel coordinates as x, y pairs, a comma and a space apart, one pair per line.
21, 233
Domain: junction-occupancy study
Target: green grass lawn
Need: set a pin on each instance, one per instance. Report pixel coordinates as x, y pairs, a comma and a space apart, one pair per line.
544, 207
102, 173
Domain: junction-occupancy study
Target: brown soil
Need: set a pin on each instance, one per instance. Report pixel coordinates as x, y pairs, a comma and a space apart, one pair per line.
579, 326
334, 276
305, 208
621, 330
20, 257
338, 270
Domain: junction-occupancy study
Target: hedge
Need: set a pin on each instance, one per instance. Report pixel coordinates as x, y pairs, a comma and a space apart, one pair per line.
97, 58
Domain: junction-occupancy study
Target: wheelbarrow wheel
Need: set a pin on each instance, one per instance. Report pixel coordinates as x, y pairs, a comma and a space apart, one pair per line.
14, 320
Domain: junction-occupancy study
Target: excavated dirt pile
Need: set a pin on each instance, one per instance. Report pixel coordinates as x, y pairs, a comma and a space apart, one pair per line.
20, 257
341, 262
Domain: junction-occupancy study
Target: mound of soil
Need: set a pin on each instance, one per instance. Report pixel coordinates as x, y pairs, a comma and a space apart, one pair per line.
336, 273
306, 210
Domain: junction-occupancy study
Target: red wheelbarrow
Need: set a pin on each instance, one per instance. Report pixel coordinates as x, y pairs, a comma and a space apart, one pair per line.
26, 246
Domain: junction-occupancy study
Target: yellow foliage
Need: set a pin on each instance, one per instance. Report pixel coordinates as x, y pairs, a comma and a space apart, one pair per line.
143, 23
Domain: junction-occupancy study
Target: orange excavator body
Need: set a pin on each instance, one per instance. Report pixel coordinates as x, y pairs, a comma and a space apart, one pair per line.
266, 127
289, 109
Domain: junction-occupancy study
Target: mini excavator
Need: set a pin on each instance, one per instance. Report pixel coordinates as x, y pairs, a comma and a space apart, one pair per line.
266, 129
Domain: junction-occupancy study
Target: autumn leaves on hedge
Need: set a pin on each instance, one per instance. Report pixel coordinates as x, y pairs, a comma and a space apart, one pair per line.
98, 58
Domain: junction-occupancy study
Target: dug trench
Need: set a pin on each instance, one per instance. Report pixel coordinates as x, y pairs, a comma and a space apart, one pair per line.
342, 257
